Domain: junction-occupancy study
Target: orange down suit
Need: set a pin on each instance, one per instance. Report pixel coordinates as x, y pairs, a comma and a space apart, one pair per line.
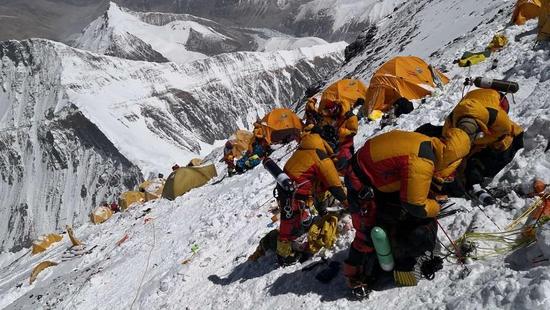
403, 163
313, 172
347, 124
482, 105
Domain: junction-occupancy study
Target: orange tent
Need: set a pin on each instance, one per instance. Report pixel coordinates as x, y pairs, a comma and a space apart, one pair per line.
544, 21
281, 125
403, 76
344, 91
526, 10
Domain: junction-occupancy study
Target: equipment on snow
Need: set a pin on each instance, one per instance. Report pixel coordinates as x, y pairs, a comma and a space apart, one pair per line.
469, 59
383, 248
76, 251
404, 278
322, 233
282, 178
483, 196
498, 85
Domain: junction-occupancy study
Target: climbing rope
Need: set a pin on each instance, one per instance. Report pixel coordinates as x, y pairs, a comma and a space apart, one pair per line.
148, 262
458, 253
536, 204
457, 250
510, 241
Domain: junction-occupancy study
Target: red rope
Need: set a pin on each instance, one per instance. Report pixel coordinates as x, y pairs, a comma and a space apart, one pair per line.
457, 250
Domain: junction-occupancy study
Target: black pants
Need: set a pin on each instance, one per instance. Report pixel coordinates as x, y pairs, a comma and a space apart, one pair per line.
488, 162
410, 237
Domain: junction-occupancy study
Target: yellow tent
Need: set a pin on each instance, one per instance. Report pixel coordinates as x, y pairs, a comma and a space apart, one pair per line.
45, 242
281, 125
544, 21
39, 268
129, 198
404, 76
241, 140
525, 10
185, 179
344, 91
152, 188
101, 214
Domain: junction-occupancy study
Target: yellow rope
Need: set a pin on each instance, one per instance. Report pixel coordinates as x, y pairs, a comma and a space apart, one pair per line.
537, 203
511, 239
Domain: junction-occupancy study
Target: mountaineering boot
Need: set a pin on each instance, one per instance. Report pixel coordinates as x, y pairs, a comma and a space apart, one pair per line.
354, 279
360, 292
257, 254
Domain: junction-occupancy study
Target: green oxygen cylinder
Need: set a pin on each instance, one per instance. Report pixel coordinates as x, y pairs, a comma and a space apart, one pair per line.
383, 248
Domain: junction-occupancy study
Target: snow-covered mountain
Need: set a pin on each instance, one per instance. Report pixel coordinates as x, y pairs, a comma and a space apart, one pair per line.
182, 38
144, 117
332, 20
159, 37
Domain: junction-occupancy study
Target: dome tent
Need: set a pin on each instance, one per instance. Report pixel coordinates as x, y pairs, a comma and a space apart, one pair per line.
281, 125
185, 179
406, 77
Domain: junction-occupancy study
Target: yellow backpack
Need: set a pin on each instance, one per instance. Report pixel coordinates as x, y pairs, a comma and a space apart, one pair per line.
323, 233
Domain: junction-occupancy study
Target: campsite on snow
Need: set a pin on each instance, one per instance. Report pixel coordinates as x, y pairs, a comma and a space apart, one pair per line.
341, 154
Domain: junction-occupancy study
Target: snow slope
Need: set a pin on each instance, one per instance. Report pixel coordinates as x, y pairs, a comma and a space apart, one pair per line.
227, 220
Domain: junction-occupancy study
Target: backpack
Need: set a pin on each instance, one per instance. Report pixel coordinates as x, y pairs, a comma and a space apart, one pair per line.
323, 233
